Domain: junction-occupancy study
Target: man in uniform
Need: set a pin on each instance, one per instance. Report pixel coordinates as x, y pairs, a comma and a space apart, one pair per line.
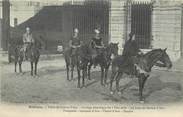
75, 42
27, 41
97, 46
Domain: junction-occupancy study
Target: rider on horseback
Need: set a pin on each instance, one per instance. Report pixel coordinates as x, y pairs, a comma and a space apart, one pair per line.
75, 42
131, 50
97, 46
131, 47
27, 41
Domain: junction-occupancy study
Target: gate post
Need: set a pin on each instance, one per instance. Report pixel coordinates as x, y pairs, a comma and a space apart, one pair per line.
5, 23
181, 46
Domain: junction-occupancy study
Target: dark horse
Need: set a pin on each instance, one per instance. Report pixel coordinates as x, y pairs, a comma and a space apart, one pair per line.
79, 60
67, 57
33, 54
138, 66
104, 61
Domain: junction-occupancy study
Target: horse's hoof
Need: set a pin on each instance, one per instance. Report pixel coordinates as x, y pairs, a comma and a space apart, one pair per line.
119, 92
111, 92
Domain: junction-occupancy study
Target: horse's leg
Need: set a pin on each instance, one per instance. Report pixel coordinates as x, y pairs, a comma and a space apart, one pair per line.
15, 66
118, 77
35, 70
102, 75
106, 72
84, 72
144, 79
79, 76
31, 68
140, 80
83, 75
72, 70
67, 68
72, 67
89, 69
111, 80
20, 66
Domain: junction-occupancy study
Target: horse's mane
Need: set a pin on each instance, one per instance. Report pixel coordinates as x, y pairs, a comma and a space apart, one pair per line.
152, 52
152, 56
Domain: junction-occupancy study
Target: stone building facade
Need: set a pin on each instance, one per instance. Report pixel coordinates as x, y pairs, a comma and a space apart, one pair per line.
166, 21
167, 28
166, 25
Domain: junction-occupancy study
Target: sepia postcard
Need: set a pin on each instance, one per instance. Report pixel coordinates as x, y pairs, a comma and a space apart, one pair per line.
91, 58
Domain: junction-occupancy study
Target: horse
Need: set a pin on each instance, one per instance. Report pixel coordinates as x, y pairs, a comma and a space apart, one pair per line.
104, 61
79, 60
70, 62
33, 53
82, 59
139, 66
19, 56
67, 57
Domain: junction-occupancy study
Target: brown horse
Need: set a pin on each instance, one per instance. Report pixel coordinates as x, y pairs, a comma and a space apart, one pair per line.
33, 54
104, 61
67, 57
19, 56
79, 60
138, 66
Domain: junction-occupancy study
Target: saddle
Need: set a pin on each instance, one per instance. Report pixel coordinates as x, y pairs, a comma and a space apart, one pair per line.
140, 65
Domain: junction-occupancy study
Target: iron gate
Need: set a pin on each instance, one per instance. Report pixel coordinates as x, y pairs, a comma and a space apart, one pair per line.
141, 23
86, 18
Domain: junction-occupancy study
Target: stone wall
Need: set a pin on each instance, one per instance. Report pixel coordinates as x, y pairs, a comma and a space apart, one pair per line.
167, 25
166, 29
0, 33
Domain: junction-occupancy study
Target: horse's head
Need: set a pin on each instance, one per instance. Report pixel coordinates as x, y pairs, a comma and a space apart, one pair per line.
165, 59
114, 48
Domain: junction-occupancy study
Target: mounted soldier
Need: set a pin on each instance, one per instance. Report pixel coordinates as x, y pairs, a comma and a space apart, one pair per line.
28, 40
75, 42
97, 46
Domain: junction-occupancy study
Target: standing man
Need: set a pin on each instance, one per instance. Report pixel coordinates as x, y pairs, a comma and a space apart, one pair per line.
75, 42
27, 41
